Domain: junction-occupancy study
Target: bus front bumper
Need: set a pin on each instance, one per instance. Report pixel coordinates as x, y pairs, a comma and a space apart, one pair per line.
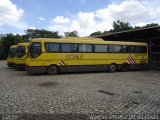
35, 69
10, 64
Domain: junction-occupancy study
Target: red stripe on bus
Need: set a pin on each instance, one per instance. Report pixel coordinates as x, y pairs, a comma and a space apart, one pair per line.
132, 59
62, 62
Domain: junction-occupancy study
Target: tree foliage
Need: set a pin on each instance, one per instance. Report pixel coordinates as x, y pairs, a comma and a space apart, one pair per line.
119, 26
36, 33
96, 33
71, 34
152, 25
8, 40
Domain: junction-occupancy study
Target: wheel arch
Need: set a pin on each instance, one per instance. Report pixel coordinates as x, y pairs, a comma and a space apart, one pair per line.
113, 64
58, 68
125, 64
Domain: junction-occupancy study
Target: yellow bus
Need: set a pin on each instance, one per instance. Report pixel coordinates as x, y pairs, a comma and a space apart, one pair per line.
21, 55
11, 56
53, 56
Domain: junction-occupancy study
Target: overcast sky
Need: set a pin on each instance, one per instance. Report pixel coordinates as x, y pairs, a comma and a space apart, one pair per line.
84, 16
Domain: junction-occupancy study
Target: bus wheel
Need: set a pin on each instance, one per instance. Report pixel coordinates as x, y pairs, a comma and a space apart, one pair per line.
124, 67
29, 72
113, 68
10, 65
53, 70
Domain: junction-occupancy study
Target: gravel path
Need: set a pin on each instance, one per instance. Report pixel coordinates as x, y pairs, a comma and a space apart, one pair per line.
70, 96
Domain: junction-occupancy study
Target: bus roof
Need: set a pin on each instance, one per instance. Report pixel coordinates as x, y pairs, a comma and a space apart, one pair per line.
71, 39
82, 38
23, 44
13, 46
85, 40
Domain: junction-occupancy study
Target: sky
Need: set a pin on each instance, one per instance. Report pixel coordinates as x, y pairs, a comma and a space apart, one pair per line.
84, 16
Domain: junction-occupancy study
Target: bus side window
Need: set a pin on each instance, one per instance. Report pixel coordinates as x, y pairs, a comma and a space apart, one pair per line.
138, 49
115, 48
85, 48
131, 49
124, 49
101, 48
69, 47
141, 49
144, 49
52, 47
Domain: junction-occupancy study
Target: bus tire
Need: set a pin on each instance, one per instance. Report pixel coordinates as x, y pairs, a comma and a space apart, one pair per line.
53, 70
10, 65
112, 67
124, 67
29, 72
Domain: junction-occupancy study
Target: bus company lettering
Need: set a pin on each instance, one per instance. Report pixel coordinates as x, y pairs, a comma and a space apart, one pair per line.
74, 56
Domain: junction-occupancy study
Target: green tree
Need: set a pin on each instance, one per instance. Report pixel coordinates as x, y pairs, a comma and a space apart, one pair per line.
71, 34
152, 25
121, 26
148, 25
31, 33
117, 27
8, 40
137, 27
96, 33
25, 38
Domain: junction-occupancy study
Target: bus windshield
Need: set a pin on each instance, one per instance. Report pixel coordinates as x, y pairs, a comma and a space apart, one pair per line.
20, 51
35, 50
12, 52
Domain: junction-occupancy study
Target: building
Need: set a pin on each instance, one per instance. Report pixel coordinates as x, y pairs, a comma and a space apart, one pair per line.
151, 35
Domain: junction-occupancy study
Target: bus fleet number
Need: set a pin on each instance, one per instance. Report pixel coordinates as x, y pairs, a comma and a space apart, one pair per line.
73, 56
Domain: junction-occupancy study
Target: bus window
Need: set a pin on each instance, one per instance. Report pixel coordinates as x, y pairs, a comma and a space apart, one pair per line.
144, 49
69, 47
114, 48
140, 49
35, 49
52, 47
131, 49
12, 52
20, 51
124, 49
85, 48
101, 48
